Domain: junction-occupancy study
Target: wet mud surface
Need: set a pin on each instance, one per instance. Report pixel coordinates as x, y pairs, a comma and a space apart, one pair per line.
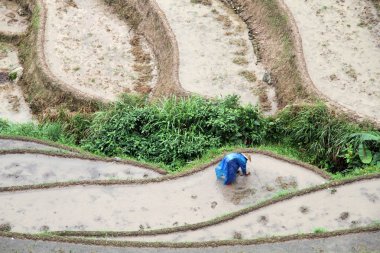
28, 169
352, 243
13, 19
347, 206
12, 103
186, 200
89, 48
8, 144
215, 52
341, 46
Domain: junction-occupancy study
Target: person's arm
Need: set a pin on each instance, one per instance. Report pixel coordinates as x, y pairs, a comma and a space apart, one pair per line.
243, 166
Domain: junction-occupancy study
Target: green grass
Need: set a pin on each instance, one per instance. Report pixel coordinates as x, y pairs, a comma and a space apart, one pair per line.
281, 193
36, 18
47, 131
284, 150
355, 172
319, 230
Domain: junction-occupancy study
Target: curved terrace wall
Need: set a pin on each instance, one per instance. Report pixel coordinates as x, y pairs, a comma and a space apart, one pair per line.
278, 44
42, 89
45, 92
147, 18
307, 81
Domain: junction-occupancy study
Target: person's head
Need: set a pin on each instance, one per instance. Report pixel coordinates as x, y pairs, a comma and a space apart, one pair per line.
248, 157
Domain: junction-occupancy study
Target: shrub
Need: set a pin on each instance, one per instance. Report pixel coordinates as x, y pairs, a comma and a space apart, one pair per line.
329, 140
175, 130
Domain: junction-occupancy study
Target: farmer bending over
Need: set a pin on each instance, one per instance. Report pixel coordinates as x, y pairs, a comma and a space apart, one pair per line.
229, 167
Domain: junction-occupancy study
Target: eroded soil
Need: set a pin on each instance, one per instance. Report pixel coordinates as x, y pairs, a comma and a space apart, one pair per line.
190, 199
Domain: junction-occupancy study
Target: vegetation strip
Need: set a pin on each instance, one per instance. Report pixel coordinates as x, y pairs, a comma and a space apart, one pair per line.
142, 181
42, 142
274, 239
307, 82
217, 220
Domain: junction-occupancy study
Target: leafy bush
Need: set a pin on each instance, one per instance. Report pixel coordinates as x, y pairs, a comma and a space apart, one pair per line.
364, 147
173, 131
329, 140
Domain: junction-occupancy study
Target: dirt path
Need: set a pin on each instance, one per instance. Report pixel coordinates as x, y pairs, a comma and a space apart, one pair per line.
12, 103
351, 243
27, 169
216, 55
347, 206
169, 203
13, 19
341, 46
91, 50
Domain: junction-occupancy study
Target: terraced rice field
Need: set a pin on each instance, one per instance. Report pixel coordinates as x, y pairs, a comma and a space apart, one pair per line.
94, 51
181, 201
213, 39
341, 47
332, 209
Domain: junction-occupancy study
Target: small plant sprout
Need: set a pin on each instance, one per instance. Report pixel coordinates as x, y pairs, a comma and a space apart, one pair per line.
12, 76
319, 230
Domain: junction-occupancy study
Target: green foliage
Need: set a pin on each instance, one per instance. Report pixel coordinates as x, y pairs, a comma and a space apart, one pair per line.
179, 133
314, 130
367, 146
36, 18
12, 76
354, 172
173, 131
319, 230
47, 131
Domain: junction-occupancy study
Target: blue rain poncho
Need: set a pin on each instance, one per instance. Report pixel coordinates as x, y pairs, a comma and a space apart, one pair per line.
229, 167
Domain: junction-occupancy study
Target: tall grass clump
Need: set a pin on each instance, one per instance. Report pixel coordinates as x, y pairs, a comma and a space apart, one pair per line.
52, 131
173, 131
328, 140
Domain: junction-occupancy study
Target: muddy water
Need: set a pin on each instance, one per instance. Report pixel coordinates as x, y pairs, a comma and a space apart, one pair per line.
12, 103
89, 48
355, 204
10, 19
25, 169
190, 199
6, 144
210, 38
341, 44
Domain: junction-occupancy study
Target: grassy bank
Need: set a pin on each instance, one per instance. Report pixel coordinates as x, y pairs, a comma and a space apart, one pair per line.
179, 133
